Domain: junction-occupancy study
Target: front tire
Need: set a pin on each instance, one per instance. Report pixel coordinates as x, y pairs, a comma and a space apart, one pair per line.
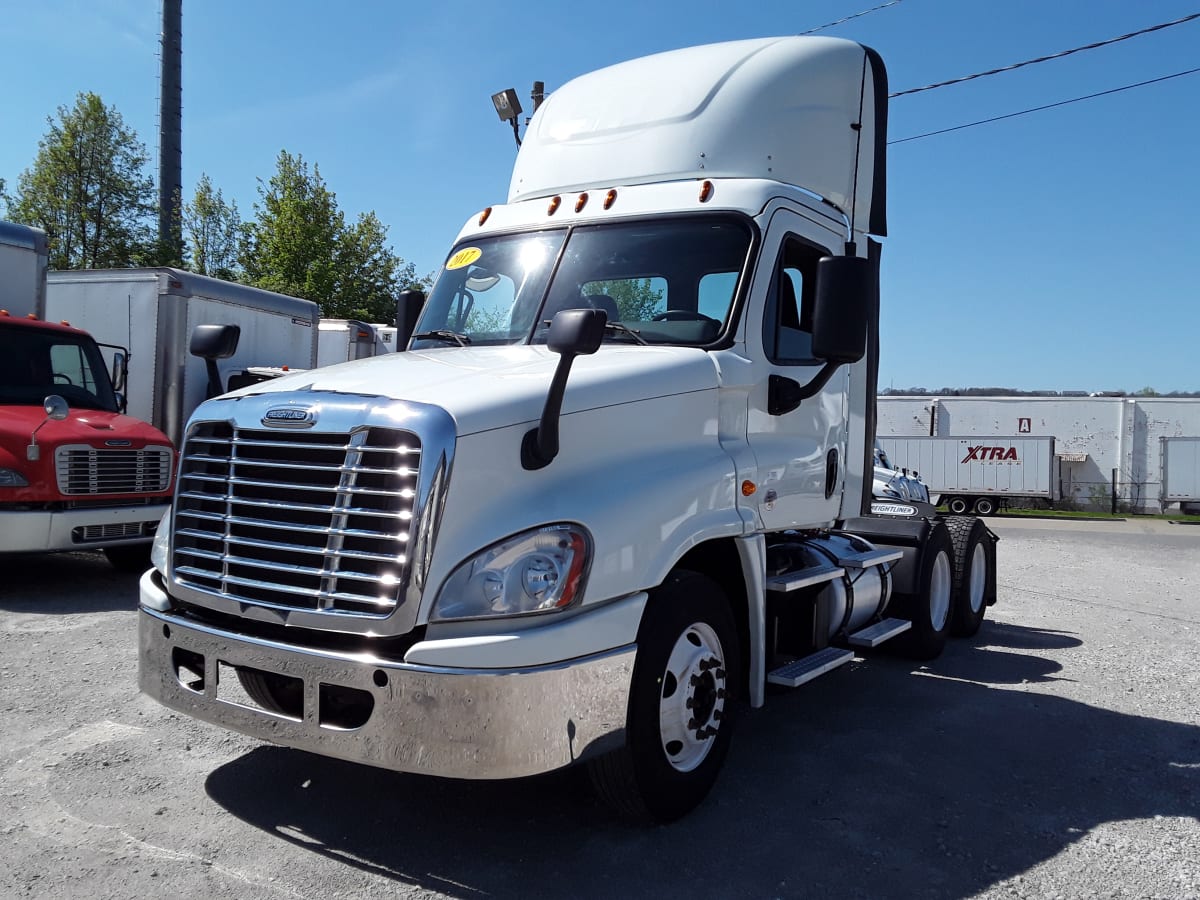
129, 557
678, 729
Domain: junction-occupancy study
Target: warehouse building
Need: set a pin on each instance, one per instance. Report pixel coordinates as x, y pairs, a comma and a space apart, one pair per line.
1142, 450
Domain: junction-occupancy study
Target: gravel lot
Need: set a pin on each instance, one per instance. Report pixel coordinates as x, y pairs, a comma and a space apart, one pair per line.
1057, 754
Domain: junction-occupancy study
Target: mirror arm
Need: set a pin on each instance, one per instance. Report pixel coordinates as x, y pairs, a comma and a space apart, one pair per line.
785, 394
540, 445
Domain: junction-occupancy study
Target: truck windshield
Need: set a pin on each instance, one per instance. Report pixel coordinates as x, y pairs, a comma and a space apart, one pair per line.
35, 363
661, 281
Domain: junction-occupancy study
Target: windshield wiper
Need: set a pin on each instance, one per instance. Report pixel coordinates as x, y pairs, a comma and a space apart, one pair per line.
443, 334
624, 329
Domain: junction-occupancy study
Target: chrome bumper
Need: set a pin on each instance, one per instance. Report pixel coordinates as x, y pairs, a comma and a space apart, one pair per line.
458, 723
39, 532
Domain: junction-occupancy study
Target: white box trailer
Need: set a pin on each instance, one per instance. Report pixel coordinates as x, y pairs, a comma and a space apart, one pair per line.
1181, 471
979, 473
343, 340
23, 262
153, 312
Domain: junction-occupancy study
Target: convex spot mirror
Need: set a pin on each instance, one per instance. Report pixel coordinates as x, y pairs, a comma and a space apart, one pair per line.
56, 408
845, 294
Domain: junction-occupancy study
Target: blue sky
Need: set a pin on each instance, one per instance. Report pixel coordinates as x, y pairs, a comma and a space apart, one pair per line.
1056, 250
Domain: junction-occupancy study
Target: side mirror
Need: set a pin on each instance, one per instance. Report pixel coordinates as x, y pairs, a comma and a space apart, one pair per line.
56, 408
573, 332
215, 341
845, 292
118, 370
408, 309
210, 343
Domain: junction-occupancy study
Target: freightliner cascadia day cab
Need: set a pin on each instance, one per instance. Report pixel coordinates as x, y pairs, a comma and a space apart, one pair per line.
618, 483
75, 473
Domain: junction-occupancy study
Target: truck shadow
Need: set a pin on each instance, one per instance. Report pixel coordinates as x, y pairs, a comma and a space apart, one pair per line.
881, 780
65, 583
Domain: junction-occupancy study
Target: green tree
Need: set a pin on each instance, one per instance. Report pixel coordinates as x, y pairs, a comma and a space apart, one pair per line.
88, 190
636, 298
213, 231
299, 244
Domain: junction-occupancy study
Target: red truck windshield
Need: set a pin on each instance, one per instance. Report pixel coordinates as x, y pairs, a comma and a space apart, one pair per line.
35, 363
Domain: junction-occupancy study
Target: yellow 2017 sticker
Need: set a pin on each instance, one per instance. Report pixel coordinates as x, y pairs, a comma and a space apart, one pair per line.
464, 257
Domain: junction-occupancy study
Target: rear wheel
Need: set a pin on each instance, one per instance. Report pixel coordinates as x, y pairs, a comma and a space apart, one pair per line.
969, 537
957, 505
678, 728
930, 607
984, 506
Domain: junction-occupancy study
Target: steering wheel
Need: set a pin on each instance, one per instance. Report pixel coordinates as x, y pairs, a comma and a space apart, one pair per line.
681, 315
60, 378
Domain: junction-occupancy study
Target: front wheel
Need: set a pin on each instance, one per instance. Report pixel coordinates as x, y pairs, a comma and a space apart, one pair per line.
678, 727
129, 557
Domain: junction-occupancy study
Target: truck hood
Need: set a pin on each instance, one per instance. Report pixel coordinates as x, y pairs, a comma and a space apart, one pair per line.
484, 388
83, 426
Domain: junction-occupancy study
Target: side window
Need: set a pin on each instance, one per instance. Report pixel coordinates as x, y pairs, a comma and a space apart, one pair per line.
716, 294
70, 367
787, 326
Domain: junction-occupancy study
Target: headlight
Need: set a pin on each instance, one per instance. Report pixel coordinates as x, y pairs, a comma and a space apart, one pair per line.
160, 550
537, 571
12, 478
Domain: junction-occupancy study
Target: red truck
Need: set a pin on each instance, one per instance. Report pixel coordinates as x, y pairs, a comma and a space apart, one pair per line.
75, 473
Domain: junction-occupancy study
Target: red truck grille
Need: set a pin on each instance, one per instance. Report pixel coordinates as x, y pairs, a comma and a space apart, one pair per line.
83, 470
297, 520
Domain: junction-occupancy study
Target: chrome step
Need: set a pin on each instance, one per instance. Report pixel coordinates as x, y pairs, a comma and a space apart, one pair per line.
791, 581
869, 558
809, 667
883, 630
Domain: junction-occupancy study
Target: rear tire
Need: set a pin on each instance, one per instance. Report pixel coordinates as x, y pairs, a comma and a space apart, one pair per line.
984, 506
678, 729
971, 561
129, 557
957, 505
930, 608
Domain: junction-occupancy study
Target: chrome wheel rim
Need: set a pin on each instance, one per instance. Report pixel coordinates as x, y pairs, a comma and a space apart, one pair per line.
692, 703
939, 592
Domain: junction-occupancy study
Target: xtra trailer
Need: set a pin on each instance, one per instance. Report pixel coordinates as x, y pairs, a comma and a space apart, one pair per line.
1181, 472
980, 474
155, 312
618, 484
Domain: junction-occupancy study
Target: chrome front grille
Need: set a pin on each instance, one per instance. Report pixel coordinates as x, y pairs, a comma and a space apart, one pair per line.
82, 470
297, 520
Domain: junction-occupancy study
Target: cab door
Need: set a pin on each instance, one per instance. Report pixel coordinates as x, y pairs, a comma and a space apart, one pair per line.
799, 446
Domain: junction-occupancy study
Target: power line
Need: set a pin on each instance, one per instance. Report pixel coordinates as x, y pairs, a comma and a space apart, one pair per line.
1128, 87
848, 18
1042, 59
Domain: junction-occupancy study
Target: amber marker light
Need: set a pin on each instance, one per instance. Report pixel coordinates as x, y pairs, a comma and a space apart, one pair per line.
554, 204
610, 198
581, 202
748, 488
706, 191
483, 216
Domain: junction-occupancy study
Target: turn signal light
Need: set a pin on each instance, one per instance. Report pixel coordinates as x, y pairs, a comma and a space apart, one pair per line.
610, 198
581, 202
483, 216
706, 191
748, 488
554, 204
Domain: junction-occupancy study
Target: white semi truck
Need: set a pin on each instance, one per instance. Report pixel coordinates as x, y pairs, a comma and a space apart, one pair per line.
618, 484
